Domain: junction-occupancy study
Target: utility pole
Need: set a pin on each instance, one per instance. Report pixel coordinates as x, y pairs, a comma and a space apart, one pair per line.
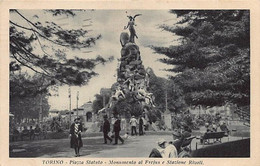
77, 104
199, 109
70, 105
166, 102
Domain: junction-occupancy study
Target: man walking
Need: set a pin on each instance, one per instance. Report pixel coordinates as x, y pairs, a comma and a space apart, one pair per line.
141, 123
117, 129
133, 123
106, 130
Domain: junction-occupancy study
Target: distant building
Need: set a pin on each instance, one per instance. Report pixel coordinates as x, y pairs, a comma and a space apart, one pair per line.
85, 112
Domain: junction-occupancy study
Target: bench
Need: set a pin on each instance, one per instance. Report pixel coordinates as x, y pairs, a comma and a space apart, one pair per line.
212, 135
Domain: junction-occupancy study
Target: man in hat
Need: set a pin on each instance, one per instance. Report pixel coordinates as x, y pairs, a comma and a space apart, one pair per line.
165, 149
117, 129
75, 136
133, 123
106, 130
141, 124
157, 152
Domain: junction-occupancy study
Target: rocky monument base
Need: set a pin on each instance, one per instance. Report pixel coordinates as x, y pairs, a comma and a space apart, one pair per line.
130, 93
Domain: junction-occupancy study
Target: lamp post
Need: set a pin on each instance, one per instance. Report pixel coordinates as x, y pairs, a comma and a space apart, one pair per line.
70, 105
77, 104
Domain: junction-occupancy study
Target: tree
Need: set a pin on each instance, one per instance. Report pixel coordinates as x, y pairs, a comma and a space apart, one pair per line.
42, 46
212, 58
159, 87
175, 97
25, 94
46, 48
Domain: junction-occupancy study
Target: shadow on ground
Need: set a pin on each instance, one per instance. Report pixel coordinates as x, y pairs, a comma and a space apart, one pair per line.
56, 148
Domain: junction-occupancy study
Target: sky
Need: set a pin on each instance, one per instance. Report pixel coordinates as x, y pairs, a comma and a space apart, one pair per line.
110, 24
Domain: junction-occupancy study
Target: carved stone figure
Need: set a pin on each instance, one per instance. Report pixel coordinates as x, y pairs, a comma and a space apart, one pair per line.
132, 78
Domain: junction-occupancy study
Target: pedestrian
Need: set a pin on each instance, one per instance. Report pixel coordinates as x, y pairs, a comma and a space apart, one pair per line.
145, 124
117, 130
15, 133
106, 130
37, 131
31, 133
25, 132
133, 123
141, 124
75, 136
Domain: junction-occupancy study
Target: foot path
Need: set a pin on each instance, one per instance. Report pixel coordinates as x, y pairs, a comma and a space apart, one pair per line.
134, 146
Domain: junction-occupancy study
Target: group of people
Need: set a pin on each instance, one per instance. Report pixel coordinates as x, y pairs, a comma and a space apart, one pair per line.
134, 123
25, 132
216, 127
116, 130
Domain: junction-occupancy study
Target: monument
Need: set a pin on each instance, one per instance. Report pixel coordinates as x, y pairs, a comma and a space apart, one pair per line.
132, 79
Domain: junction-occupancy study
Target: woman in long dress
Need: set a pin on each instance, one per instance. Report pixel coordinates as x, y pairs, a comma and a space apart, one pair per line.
75, 136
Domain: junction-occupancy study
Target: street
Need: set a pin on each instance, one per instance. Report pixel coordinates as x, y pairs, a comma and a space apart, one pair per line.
134, 146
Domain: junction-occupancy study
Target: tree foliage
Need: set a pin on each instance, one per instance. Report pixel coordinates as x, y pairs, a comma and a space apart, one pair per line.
160, 87
48, 49
42, 46
212, 58
29, 107
26, 93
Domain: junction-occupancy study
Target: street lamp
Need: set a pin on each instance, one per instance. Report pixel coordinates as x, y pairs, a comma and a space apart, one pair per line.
70, 105
77, 104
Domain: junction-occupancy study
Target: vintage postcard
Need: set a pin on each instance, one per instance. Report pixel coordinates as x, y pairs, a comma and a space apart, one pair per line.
129, 83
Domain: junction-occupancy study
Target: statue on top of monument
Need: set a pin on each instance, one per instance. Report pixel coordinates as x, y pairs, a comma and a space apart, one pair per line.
131, 25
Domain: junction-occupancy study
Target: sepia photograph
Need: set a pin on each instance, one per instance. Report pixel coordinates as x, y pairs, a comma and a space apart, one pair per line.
128, 83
